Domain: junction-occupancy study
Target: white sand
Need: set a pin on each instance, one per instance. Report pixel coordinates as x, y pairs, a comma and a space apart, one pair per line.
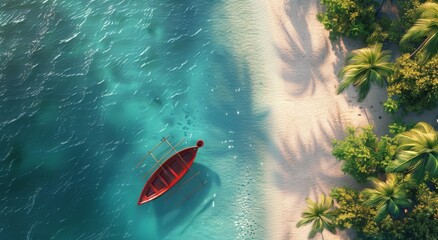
306, 114
293, 65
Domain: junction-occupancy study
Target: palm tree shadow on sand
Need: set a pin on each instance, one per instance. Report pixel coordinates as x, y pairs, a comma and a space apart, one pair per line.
185, 201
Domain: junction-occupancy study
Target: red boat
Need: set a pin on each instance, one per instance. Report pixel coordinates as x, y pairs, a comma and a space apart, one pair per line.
169, 172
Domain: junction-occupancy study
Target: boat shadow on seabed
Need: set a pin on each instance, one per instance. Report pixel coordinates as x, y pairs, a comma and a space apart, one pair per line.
187, 200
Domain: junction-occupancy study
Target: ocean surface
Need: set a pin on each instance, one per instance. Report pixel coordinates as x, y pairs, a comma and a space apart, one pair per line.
87, 87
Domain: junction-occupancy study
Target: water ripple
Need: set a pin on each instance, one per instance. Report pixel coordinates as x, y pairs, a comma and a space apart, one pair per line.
85, 87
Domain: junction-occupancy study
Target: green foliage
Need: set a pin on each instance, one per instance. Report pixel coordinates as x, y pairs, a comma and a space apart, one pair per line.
396, 128
363, 154
320, 215
391, 106
413, 87
366, 66
422, 221
378, 35
426, 27
398, 27
417, 152
399, 208
357, 19
350, 211
427, 202
351, 18
388, 197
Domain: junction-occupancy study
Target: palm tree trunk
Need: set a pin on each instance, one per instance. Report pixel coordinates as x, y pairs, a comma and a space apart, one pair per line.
322, 236
418, 49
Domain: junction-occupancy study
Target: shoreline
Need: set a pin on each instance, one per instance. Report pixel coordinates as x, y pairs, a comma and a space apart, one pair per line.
306, 114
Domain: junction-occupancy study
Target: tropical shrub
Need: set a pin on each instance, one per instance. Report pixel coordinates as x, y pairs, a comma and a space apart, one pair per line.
422, 221
398, 208
357, 19
391, 106
350, 212
351, 18
379, 34
362, 153
398, 127
413, 87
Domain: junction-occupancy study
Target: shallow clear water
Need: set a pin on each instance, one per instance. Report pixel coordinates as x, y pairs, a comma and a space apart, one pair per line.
88, 87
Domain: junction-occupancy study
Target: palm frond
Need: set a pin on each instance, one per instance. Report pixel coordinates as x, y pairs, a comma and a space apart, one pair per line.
425, 27
430, 49
319, 214
387, 197
427, 10
424, 127
399, 165
393, 209
363, 90
382, 212
404, 203
365, 66
420, 171
432, 165
417, 151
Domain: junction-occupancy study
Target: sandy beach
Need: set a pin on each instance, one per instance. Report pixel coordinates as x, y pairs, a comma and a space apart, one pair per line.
306, 114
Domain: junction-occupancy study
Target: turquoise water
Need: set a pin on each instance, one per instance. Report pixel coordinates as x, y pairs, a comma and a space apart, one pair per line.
88, 87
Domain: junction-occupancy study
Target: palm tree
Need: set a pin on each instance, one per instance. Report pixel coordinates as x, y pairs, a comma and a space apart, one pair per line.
388, 197
426, 26
366, 66
320, 215
417, 152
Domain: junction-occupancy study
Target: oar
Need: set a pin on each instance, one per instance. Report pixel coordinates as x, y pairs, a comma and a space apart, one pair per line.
141, 161
186, 197
174, 149
159, 161
180, 185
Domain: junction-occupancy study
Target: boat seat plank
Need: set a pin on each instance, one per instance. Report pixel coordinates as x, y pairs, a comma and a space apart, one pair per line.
158, 184
167, 177
176, 167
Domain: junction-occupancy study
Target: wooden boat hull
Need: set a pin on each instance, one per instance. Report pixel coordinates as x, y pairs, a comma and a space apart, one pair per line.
169, 173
